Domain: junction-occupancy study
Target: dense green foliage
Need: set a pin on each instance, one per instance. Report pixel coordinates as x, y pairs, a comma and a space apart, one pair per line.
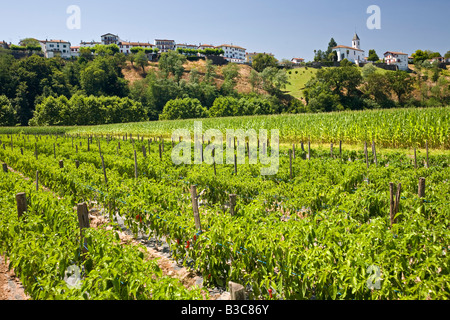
183, 109
313, 235
346, 87
81, 110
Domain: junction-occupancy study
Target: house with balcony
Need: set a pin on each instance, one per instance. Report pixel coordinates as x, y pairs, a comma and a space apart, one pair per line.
187, 46
165, 45
110, 38
233, 53
55, 48
399, 59
90, 44
125, 47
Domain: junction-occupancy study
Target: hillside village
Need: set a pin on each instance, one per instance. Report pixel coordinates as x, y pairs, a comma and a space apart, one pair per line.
231, 52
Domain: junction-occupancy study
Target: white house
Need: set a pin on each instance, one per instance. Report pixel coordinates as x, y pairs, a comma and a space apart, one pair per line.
110, 38
165, 45
90, 44
75, 51
397, 58
297, 60
353, 53
54, 48
233, 53
187, 46
125, 47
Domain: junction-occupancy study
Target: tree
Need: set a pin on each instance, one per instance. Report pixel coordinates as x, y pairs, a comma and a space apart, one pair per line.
255, 80
210, 71
286, 63
186, 108
401, 84
262, 61
172, 62
367, 70
377, 87
447, 55
29, 42
373, 56
141, 60
420, 56
7, 112
274, 79
224, 107
331, 45
231, 74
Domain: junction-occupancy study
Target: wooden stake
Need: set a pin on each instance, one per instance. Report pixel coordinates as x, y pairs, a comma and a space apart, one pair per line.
365, 153
21, 201
340, 149
232, 204
83, 222
5, 167
331, 150
195, 208
61, 164
392, 204
415, 158
421, 187
290, 164
104, 170
235, 164
144, 153
77, 164
135, 166
237, 291
374, 151
309, 149
37, 180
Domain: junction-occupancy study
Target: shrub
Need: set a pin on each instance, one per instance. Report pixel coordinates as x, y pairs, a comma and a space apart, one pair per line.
7, 112
224, 107
186, 108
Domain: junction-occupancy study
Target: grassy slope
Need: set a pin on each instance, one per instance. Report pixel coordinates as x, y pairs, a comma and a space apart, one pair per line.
298, 78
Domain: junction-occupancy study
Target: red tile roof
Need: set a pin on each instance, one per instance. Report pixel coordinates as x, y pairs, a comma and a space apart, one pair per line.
397, 53
347, 47
231, 46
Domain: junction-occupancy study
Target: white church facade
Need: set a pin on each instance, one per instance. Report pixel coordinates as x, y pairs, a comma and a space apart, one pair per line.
353, 53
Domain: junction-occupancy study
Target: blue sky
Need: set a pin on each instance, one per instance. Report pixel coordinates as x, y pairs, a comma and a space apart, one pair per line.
287, 28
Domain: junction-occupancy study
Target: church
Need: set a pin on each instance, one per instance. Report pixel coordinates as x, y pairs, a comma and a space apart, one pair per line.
353, 53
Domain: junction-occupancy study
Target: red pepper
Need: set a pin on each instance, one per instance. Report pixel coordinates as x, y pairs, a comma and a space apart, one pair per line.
195, 237
270, 293
209, 276
178, 241
138, 218
187, 247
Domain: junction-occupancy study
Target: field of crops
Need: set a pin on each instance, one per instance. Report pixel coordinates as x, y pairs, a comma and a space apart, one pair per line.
320, 230
396, 128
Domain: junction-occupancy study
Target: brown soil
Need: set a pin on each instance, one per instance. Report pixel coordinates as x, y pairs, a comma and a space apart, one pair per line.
133, 73
10, 286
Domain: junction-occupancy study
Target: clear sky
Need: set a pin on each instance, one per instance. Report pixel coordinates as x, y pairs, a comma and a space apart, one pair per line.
287, 28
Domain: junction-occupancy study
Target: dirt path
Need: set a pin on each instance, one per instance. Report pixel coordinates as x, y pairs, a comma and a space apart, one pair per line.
10, 286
